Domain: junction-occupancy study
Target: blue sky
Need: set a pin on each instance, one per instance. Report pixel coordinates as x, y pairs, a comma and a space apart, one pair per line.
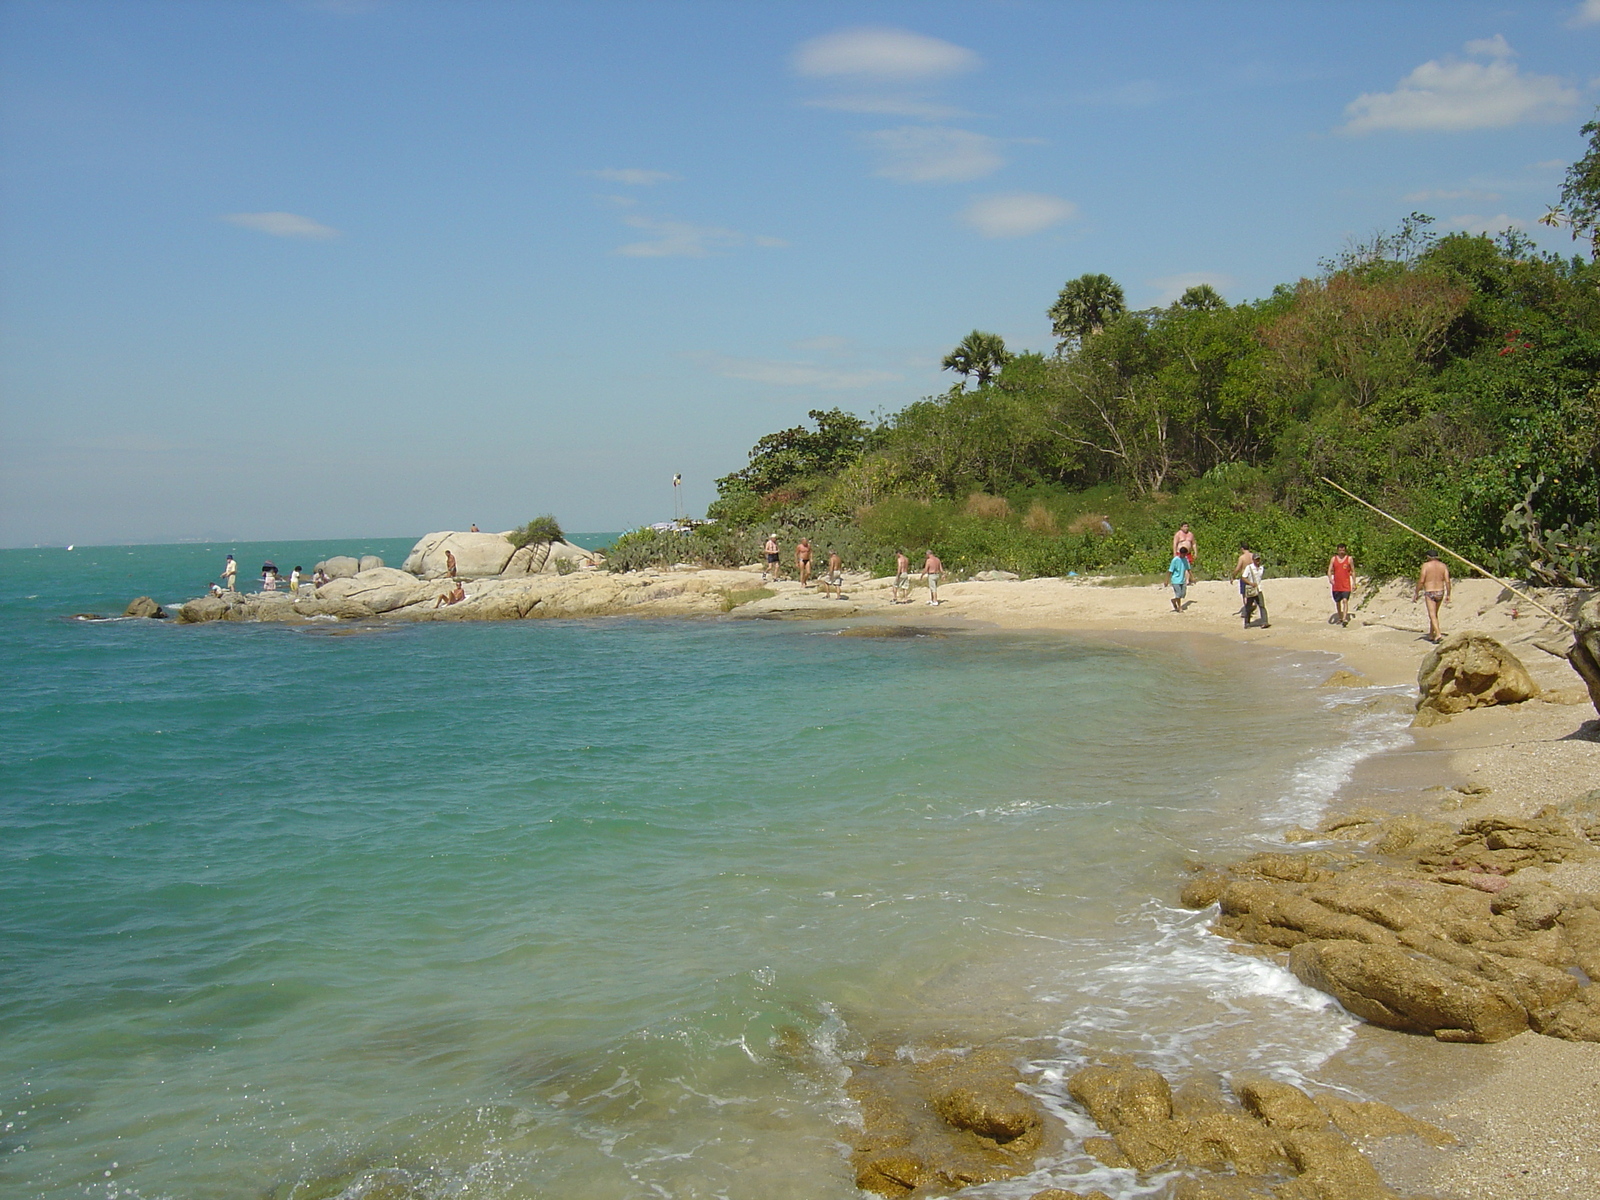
289, 268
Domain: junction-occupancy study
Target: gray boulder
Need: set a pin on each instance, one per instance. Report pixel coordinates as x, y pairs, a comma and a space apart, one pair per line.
382, 589
342, 566
371, 562
477, 555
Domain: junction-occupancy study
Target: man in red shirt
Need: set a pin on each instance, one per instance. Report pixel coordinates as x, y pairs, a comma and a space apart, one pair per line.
1341, 579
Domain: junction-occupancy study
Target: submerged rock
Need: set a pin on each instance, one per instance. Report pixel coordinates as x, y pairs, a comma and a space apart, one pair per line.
144, 607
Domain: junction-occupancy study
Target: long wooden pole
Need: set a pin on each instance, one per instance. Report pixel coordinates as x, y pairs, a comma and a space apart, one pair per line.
1451, 553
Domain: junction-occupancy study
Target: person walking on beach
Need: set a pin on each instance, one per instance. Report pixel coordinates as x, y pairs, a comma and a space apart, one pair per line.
1433, 586
1184, 540
1341, 581
230, 574
834, 580
1245, 559
1178, 575
771, 551
1250, 585
802, 561
932, 568
901, 592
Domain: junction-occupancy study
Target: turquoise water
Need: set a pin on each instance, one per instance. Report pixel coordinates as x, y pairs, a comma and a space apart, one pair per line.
529, 909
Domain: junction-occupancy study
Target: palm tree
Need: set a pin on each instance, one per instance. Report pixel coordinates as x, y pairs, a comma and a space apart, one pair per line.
1084, 307
981, 354
1202, 297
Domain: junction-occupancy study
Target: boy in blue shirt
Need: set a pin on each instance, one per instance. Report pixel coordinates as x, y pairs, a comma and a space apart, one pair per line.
1178, 571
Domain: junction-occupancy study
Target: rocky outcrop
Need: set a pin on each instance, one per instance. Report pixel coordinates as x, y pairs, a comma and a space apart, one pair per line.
537, 558
477, 555
371, 562
144, 607
340, 566
945, 1117
1432, 931
272, 606
382, 589
1585, 652
1470, 670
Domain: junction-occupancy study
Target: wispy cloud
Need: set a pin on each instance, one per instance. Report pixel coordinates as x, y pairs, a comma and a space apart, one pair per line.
933, 154
781, 373
1587, 13
632, 176
890, 106
1472, 223
1453, 95
1017, 214
1170, 288
826, 343
282, 224
894, 55
680, 239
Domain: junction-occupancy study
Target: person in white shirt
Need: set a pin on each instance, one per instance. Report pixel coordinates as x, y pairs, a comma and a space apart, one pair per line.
1250, 580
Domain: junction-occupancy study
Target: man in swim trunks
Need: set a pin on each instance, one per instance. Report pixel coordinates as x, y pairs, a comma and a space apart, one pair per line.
450, 564
1184, 540
771, 551
1433, 588
1178, 575
834, 580
901, 592
933, 568
802, 561
1341, 580
1245, 559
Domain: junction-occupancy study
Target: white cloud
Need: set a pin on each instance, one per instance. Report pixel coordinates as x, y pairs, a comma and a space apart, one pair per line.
1017, 214
1587, 13
1454, 95
825, 344
936, 154
878, 53
680, 239
632, 176
893, 106
282, 224
779, 373
1170, 288
1472, 223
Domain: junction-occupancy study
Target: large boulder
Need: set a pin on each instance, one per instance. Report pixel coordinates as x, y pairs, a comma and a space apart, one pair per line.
382, 589
545, 558
1470, 670
1400, 988
1585, 653
371, 562
341, 566
477, 555
143, 607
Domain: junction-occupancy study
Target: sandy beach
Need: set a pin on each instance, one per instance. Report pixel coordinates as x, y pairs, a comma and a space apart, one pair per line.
1524, 1110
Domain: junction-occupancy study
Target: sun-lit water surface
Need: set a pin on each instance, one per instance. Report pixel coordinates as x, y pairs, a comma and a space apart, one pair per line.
527, 909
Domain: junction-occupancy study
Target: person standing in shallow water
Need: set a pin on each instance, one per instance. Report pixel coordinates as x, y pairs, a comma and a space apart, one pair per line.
1433, 587
1341, 581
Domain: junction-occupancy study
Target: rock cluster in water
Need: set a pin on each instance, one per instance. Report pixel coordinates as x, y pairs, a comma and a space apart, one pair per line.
1431, 930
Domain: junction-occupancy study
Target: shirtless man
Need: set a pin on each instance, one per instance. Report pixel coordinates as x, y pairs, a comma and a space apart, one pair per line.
1341, 581
1245, 559
1184, 540
834, 580
450, 564
771, 551
933, 568
802, 561
901, 592
455, 596
1433, 588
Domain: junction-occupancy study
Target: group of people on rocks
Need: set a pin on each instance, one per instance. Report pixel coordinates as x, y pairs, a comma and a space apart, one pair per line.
1432, 587
833, 581
270, 578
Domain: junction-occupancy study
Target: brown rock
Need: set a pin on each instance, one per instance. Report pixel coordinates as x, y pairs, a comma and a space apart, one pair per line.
1330, 1169
996, 1111
1578, 1020
144, 607
1585, 652
1281, 1105
1063, 1194
1122, 1096
1222, 1188
1342, 678
1581, 924
1399, 988
1471, 670
1374, 1119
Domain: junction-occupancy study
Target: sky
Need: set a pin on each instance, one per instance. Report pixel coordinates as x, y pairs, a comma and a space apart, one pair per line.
324, 268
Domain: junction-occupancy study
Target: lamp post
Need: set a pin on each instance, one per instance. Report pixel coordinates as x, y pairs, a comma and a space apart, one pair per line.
677, 497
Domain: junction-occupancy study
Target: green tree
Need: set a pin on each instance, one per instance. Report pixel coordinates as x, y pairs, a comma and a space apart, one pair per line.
1084, 307
1580, 194
980, 354
1202, 297
789, 457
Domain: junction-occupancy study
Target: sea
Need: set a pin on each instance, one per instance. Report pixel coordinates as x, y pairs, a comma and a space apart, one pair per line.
543, 908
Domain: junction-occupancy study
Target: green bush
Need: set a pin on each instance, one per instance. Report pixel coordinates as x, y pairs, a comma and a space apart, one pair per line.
540, 529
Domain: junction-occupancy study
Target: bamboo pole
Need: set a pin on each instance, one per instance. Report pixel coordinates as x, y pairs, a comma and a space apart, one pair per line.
1480, 570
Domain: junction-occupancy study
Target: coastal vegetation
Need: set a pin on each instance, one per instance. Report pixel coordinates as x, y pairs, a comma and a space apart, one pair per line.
540, 529
1449, 378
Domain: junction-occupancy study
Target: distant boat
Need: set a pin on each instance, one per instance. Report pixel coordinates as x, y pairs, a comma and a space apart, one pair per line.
69, 547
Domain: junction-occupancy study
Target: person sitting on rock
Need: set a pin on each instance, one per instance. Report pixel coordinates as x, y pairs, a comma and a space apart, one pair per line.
454, 596
319, 577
